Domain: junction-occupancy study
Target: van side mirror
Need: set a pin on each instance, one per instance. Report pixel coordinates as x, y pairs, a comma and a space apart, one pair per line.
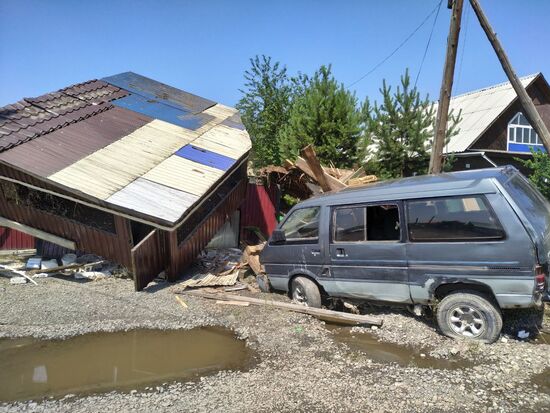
278, 236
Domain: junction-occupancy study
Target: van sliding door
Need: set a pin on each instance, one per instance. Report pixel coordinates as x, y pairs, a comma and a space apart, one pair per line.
367, 253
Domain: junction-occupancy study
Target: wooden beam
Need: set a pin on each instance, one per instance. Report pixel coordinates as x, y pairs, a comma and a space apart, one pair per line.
311, 166
313, 162
4, 222
530, 110
328, 315
436, 157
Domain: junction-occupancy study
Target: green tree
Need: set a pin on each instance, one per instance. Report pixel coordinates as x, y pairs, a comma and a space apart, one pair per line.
264, 108
540, 171
399, 131
325, 114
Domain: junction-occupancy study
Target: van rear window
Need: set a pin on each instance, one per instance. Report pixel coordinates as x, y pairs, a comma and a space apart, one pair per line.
532, 203
452, 219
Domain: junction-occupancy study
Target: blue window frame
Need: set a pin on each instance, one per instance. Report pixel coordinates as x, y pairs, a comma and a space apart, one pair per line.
521, 135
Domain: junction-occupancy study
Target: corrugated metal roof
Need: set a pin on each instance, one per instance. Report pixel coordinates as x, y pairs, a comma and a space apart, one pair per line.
84, 139
111, 168
152, 89
63, 147
153, 199
480, 109
184, 175
205, 157
33, 117
167, 113
225, 140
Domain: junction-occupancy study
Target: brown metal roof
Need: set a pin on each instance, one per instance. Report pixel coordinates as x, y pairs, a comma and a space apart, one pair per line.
33, 117
54, 151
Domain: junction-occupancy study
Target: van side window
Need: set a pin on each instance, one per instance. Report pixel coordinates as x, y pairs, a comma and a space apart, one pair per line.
451, 219
366, 223
302, 224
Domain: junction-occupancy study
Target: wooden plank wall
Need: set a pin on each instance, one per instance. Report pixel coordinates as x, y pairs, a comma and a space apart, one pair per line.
148, 259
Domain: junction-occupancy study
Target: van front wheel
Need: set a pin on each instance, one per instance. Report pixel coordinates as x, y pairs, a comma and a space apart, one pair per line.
469, 315
305, 292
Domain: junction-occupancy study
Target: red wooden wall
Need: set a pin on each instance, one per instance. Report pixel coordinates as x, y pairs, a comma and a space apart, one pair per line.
11, 239
259, 209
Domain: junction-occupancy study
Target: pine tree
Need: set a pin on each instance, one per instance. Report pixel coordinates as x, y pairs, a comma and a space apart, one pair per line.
398, 132
540, 171
264, 108
325, 114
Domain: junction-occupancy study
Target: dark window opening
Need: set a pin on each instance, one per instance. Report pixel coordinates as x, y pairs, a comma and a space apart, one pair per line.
453, 219
24, 196
367, 223
383, 223
139, 231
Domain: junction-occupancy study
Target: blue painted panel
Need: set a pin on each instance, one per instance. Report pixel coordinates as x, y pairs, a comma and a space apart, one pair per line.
204, 157
524, 147
166, 94
158, 110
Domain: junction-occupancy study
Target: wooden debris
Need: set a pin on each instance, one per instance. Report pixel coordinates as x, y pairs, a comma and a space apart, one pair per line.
67, 267
363, 180
182, 303
236, 288
315, 166
239, 303
251, 256
327, 315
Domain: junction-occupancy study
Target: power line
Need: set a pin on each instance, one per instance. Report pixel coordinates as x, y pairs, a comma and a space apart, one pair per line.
427, 44
436, 8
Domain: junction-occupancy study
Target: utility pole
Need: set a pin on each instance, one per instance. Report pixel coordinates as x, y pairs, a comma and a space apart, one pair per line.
436, 158
526, 102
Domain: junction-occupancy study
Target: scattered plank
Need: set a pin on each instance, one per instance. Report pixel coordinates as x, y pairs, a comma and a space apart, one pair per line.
67, 267
182, 303
327, 315
238, 303
236, 288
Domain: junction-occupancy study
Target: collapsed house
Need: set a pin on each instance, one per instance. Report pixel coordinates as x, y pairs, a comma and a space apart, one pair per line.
125, 167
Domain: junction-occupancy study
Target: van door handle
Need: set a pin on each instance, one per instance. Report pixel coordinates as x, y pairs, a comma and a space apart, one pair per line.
340, 252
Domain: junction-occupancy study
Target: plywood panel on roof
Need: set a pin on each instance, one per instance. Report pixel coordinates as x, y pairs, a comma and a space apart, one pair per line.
153, 199
225, 140
110, 169
220, 111
184, 175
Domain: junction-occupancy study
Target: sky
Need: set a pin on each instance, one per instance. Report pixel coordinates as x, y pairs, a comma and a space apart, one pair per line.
204, 47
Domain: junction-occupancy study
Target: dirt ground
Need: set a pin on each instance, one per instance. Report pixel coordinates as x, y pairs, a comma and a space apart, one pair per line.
302, 365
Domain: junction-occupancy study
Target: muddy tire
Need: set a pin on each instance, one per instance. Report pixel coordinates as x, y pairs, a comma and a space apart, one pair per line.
469, 314
304, 291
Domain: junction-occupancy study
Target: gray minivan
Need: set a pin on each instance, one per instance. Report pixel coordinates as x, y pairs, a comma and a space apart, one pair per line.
470, 243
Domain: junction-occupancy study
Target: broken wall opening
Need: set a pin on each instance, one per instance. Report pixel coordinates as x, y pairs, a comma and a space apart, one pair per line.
21, 195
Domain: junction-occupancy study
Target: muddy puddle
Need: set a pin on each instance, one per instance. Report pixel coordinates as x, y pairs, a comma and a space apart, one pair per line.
382, 352
98, 362
542, 380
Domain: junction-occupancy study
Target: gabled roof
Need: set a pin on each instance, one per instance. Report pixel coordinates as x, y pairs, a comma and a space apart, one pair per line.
126, 141
480, 109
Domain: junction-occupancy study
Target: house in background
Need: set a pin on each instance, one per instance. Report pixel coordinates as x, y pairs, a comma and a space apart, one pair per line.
493, 128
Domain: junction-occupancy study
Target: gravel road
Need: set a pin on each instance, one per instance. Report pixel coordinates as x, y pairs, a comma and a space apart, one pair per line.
301, 366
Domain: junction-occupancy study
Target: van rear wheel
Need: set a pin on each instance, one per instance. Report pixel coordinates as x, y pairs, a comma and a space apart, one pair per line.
468, 314
305, 292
